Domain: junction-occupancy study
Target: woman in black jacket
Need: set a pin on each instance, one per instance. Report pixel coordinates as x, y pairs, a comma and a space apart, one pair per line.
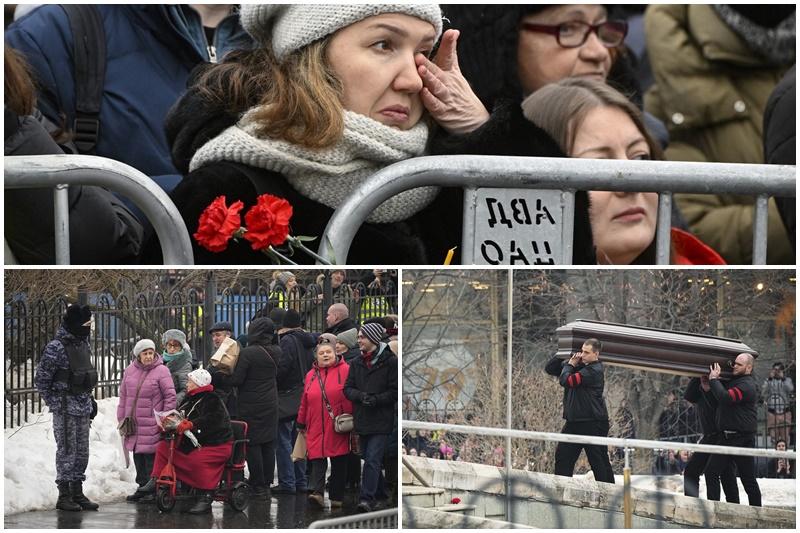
255, 379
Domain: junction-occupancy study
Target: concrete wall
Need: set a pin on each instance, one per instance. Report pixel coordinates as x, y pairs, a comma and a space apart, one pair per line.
582, 502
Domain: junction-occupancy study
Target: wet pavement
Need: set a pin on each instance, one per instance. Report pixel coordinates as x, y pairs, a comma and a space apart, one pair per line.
281, 511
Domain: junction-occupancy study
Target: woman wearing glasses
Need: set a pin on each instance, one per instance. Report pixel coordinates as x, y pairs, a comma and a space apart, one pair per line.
508, 52
178, 357
323, 399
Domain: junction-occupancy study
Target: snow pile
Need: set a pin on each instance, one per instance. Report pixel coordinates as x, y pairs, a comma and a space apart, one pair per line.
30, 469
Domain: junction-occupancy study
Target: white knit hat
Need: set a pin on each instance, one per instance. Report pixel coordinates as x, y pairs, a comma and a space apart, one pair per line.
290, 27
201, 377
143, 345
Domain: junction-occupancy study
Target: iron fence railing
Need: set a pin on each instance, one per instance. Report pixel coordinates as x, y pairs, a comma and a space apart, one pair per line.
60, 171
567, 175
120, 321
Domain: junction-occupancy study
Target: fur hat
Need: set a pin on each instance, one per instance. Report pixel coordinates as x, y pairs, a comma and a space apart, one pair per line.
291, 319
200, 377
349, 338
374, 332
77, 320
290, 27
143, 345
176, 335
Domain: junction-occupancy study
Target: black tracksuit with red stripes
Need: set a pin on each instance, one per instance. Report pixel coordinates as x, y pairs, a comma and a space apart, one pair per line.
737, 419
737, 404
585, 413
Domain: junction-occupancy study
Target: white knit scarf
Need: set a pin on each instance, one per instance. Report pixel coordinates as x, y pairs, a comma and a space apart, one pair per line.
328, 176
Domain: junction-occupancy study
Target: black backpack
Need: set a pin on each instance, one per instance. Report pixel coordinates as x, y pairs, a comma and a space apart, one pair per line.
89, 58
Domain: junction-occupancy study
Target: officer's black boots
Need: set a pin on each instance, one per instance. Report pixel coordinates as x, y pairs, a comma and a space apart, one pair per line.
65, 502
76, 489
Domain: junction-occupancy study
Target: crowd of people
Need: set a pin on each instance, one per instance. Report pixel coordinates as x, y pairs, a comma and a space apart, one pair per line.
259, 120
308, 399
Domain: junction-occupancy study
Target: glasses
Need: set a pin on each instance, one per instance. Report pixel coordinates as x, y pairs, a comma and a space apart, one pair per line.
174, 345
323, 340
574, 34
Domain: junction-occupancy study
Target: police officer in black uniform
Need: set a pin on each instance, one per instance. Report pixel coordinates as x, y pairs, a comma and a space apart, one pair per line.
736, 419
699, 393
585, 411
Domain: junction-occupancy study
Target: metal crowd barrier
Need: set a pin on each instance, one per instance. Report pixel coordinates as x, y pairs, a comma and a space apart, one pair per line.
626, 444
385, 519
568, 175
60, 171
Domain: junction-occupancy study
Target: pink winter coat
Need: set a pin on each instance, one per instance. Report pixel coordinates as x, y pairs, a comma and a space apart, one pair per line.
157, 393
321, 439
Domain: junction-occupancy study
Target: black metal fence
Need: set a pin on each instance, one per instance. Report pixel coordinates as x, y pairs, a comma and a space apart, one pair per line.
121, 321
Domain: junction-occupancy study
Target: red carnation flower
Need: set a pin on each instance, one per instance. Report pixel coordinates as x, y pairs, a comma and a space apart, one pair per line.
218, 223
455, 501
268, 222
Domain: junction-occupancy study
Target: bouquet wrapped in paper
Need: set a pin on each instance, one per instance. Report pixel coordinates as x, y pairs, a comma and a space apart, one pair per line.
226, 356
170, 422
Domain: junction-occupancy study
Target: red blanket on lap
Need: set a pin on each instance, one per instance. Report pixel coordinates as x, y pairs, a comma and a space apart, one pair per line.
201, 469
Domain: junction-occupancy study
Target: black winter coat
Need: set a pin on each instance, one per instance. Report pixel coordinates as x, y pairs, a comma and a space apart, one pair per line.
737, 404
345, 325
255, 379
102, 229
212, 425
381, 381
706, 405
780, 136
583, 392
296, 358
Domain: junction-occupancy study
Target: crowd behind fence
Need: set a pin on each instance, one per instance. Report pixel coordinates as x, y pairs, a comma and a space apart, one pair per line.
119, 322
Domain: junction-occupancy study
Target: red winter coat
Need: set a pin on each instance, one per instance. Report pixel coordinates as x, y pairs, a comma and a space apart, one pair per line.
321, 440
157, 393
689, 250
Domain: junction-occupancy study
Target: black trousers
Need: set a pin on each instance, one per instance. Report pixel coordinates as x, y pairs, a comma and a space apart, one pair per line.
745, 465
337, 479
353, 470
144, 467
261, 463
567, 453
697, 465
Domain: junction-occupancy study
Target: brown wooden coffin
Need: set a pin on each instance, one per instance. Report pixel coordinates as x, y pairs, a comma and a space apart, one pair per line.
658, 350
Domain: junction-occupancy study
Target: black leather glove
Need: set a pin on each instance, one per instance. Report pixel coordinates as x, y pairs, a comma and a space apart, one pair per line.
94, 408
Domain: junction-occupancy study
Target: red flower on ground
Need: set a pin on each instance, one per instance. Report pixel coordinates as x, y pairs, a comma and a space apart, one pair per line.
455, 501
268, 222
218, 223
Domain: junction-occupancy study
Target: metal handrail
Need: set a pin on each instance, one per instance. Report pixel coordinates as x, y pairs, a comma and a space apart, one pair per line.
603, 441
663, 177
384, 519
60, 171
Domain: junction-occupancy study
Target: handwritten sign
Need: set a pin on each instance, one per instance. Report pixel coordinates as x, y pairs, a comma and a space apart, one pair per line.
517, 227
